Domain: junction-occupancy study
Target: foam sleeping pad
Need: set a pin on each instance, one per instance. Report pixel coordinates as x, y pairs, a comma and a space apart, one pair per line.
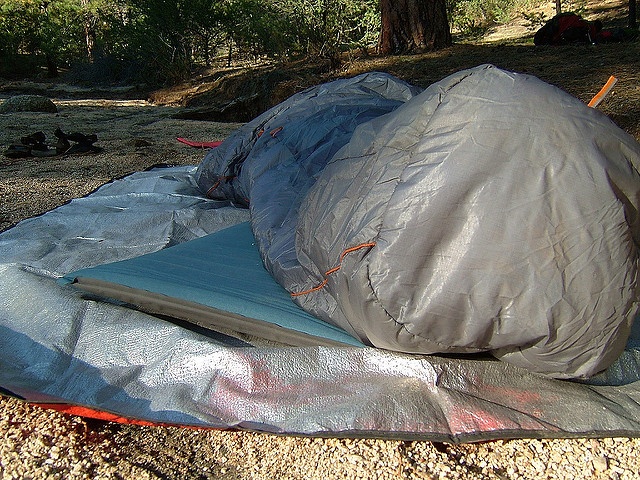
218, 282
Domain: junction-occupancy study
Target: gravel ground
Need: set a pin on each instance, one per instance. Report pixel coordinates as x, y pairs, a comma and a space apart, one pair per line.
42, 444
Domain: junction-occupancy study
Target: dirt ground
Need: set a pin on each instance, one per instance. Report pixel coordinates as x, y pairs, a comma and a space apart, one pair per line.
136, 134
133, 135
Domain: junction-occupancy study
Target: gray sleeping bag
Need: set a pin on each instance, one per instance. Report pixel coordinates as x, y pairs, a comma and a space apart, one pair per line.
490, 213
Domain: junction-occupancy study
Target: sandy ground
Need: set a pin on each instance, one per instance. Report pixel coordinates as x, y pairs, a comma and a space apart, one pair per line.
133, 135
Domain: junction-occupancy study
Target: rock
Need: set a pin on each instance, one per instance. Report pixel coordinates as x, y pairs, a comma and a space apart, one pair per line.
28, 103
139, 142
600, 463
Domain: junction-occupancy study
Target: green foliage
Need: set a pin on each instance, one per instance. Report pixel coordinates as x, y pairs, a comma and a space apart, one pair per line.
327, 27
257, 28
57, 30
535, 20
172, 37
473, 17
162, 41
160, 36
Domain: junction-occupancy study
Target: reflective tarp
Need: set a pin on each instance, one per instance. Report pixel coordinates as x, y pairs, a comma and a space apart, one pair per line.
59, 345
56, 345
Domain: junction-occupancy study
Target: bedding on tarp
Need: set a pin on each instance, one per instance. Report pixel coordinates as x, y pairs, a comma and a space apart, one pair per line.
490, 213
60, 345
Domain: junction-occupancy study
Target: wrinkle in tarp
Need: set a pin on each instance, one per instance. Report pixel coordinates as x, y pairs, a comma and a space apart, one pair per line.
59, 345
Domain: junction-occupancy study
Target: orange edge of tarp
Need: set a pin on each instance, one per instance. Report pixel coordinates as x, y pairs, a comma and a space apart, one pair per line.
604, 91
106, 416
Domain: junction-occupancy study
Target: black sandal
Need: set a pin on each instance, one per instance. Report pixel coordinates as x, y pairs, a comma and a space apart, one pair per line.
18, 151
37, 138
84, 143
34, 145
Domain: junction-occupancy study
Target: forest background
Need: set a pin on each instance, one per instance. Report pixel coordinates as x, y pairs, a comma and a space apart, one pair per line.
162, 42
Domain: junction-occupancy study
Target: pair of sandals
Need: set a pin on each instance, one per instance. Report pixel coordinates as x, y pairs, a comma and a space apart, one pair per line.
34, 145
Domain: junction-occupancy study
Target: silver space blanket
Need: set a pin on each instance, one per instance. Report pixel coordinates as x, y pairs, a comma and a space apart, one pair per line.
58, 345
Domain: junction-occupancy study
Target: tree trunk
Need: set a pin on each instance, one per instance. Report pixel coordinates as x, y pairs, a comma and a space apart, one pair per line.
558, 7
89, 32
632, 14
413, 26
52, 66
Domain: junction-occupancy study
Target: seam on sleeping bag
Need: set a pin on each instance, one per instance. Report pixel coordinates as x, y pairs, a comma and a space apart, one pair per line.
441, 96
221, 178
404, 326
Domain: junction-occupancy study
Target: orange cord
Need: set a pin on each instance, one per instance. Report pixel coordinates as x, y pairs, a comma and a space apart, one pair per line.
217, 184
334, 269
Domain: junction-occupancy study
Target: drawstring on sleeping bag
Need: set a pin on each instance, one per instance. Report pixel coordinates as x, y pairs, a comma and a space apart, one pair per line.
334, 269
